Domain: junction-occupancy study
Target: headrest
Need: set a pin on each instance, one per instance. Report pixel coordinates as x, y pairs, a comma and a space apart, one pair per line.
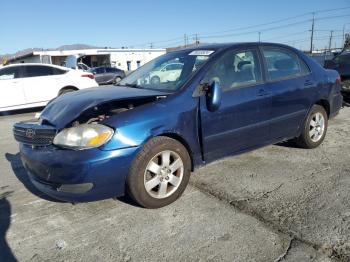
244, 65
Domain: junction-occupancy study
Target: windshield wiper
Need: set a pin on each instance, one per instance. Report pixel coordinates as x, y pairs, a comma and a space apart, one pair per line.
130, 85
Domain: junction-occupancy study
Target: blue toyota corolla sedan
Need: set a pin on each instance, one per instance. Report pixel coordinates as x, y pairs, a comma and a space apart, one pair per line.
180, 111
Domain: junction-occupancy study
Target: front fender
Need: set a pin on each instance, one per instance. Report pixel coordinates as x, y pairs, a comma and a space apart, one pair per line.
178, 117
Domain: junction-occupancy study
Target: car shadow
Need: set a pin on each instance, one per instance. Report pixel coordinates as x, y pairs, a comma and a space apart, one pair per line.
289, 144
5, 221
128, 200
22, 176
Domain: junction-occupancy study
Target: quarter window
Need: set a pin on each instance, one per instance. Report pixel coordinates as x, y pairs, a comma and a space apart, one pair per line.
282, 64
236, 69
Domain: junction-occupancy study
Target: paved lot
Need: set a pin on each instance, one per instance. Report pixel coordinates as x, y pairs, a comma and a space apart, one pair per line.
278, 203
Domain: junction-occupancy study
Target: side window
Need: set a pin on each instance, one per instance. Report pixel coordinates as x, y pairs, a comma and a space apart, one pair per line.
236, 69
9, 73
57, 71
100, 70
37, 70
305, 70
281, 64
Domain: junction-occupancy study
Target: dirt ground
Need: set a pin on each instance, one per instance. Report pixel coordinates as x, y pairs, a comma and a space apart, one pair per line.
278, 203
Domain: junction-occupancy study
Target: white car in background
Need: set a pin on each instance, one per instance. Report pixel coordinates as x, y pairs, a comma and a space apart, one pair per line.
34, 85
167, 73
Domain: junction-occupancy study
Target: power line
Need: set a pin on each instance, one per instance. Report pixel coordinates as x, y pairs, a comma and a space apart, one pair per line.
217, 35
276, 21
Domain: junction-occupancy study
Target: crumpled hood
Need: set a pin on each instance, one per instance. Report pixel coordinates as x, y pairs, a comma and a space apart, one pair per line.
65, 108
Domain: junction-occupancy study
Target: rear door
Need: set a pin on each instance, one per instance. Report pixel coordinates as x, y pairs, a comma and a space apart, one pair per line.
100, 75
110, 74
292, 88
241, 122
11, 87
40, 83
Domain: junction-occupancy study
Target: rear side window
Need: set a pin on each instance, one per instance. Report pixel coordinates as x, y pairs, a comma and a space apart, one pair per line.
111, 70
57, 71
99, 70
33, 71
282, 64
9, 73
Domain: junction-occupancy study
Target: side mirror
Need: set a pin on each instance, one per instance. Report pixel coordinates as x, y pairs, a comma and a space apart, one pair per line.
213, 96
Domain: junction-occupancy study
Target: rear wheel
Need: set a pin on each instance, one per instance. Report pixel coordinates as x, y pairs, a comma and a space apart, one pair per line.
159, 173
315, 128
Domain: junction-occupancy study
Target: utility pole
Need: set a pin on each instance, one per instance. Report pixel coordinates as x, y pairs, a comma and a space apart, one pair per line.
259, 36
312, 33
330, 41
151, 45
185, 40
197, 39
344, 32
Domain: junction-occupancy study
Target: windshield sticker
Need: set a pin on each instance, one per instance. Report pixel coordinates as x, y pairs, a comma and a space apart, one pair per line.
201, 52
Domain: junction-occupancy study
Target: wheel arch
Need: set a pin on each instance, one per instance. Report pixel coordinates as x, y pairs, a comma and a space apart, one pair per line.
325, 104
183, 141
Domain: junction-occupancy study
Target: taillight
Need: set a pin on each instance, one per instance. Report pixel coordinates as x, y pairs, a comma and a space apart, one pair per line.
91, 76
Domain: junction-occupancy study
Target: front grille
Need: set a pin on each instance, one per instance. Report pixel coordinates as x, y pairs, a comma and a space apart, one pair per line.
34, 134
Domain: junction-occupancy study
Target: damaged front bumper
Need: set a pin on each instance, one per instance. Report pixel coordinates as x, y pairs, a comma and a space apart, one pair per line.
78, 176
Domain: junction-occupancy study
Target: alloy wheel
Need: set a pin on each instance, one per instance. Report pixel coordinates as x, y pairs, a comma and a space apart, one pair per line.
163, 174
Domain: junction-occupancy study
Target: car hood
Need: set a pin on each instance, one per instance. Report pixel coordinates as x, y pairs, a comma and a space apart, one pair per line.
66, 108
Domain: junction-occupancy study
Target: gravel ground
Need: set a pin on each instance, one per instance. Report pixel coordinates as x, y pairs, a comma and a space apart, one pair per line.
278, 203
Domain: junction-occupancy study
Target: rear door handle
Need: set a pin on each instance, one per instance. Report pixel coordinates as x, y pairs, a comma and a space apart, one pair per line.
263, 92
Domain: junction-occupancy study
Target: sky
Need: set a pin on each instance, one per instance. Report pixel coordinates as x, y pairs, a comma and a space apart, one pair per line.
156, 23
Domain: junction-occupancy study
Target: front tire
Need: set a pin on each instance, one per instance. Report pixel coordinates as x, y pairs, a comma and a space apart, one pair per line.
160, 173
315, 128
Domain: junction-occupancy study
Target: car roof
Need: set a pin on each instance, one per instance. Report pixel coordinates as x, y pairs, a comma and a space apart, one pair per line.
37, 64
222, 46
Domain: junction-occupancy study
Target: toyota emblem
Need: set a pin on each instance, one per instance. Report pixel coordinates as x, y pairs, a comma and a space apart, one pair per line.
30, 133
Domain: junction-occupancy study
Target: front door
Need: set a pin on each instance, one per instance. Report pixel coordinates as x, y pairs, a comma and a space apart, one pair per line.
241, 122
11, 87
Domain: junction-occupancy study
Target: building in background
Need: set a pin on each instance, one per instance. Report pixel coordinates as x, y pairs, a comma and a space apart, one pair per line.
125, 59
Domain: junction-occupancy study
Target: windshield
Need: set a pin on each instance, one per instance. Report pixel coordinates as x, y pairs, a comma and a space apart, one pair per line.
167, 72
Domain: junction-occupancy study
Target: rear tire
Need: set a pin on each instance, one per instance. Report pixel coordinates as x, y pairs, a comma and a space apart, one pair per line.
314, 129
159, 173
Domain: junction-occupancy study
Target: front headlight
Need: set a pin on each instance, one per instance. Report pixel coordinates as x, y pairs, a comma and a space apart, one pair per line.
84, 136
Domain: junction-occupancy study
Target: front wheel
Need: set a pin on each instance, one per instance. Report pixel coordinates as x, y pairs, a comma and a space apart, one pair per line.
159, 173
315, 128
